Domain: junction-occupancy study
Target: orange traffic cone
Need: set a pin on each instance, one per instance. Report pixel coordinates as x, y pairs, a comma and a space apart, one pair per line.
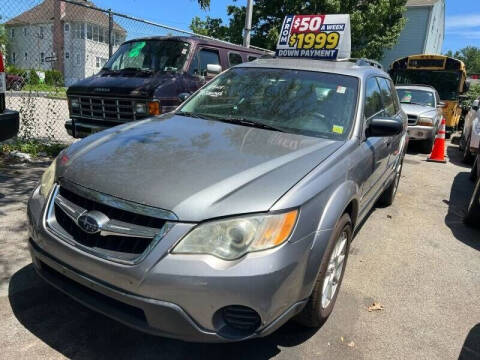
438, 152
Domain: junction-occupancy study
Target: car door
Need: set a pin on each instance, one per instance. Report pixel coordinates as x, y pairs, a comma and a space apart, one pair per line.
392, 110
198, 66
375, 147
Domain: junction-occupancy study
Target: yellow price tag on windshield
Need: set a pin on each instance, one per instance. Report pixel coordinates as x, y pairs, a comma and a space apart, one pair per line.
337, 129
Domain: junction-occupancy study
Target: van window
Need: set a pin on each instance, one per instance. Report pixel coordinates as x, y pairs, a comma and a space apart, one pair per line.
373, 99
387, 96
234, 59
202, 59
251, 58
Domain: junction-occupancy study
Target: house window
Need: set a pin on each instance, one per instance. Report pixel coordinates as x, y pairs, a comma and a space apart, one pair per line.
67, 55
26, 56
78, 59
12, 33
41, 32
100, 34
14, 58
25, 31
97, 62
78, 30
66, 27
95, 33
42, 57
89, 31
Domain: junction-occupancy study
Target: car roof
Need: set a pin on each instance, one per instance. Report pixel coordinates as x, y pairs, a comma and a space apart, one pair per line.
416, 87
203, 41
344, 67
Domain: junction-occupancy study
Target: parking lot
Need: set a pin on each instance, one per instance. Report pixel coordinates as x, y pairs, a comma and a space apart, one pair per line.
415, 258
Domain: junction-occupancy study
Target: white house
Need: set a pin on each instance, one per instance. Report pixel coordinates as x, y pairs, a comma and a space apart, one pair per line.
423, 33
82, 38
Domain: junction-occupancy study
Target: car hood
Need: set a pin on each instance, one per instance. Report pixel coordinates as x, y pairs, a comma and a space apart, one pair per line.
103, 84
418, 110
198, 169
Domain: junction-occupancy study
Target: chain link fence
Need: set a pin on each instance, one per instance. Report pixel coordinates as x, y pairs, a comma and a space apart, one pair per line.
51, 44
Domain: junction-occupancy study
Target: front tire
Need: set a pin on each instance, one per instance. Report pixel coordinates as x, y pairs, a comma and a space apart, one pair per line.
467, 155
427, 145
473, 213
322, 300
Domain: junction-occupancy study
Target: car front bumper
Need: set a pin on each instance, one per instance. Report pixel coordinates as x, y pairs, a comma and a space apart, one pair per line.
421, 132
180, 296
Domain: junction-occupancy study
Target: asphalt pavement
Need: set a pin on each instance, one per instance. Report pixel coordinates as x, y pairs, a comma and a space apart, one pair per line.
416, 259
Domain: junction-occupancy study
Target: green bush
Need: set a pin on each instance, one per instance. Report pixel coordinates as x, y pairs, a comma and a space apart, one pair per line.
12, 69
54, 78
33, 78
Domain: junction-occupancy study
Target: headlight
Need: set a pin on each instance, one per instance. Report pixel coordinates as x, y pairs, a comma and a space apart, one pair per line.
141, 108
233, 238
48, 179
74, 103
425, 121
150, 108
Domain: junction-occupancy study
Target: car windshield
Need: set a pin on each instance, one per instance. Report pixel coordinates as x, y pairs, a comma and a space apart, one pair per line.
419, 97
149, 55
303, 102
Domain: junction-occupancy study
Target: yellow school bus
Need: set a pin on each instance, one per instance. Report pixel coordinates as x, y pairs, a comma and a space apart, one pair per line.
444, 73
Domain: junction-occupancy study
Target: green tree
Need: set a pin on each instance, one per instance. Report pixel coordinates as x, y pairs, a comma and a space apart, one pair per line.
376, 24
3, 37
470, 55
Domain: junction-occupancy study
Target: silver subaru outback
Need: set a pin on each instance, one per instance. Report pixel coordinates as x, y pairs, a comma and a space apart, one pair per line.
223, 220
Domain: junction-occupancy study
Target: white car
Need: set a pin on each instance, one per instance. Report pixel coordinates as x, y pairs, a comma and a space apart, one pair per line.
470, 140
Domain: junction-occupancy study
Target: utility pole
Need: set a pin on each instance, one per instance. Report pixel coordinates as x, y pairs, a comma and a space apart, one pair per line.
248, 24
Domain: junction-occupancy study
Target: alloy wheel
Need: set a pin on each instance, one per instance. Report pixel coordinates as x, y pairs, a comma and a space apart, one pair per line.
334, 270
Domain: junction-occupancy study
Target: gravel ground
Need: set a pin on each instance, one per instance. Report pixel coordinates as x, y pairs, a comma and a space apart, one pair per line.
415, 258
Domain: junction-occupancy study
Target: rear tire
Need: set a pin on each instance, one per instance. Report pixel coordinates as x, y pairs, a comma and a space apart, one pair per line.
473, 213
321, 302
388, 195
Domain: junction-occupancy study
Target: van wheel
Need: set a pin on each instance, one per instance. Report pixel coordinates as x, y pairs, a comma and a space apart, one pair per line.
467, 155
473, 213
321, 301
387, 197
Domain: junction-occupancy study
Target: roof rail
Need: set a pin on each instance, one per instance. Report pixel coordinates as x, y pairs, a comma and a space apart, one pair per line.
363, 62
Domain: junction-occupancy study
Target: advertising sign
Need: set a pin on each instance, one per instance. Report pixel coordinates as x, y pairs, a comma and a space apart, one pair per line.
315, 36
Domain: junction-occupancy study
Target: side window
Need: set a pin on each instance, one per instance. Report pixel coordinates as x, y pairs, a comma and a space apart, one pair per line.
373, 99
202, 59
234, 59
251, 58
396, 100
387, 96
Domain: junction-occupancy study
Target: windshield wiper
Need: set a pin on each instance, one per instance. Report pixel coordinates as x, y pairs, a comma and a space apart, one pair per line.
251, 123
412, 103
195, 115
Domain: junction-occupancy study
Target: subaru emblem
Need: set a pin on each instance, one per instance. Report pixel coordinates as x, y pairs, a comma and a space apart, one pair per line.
92, 221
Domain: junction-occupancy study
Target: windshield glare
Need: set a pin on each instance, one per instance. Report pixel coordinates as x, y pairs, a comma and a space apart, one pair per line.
151, 55
420, 97
304, 102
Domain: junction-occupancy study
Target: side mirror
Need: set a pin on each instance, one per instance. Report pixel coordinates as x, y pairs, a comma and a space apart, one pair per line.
213, 69
475, 105
384, 127
441, 105
183, 96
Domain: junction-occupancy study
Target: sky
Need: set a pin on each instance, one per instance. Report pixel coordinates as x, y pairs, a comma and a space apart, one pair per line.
462, 25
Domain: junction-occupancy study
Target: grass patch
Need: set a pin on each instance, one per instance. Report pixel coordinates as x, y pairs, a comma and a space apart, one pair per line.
53, 91
33, 148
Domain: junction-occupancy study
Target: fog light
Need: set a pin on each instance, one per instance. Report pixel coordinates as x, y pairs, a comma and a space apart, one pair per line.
236, 321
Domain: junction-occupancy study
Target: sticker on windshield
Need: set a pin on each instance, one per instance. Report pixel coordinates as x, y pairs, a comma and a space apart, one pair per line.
135, 51
406, 98
341, 89
337, 129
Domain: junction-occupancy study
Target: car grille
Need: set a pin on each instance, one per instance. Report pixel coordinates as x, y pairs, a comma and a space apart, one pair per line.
126, 236
105, 109
412, 119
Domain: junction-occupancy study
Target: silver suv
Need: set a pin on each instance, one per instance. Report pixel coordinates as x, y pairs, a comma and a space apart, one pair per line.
225, 219
424, 110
